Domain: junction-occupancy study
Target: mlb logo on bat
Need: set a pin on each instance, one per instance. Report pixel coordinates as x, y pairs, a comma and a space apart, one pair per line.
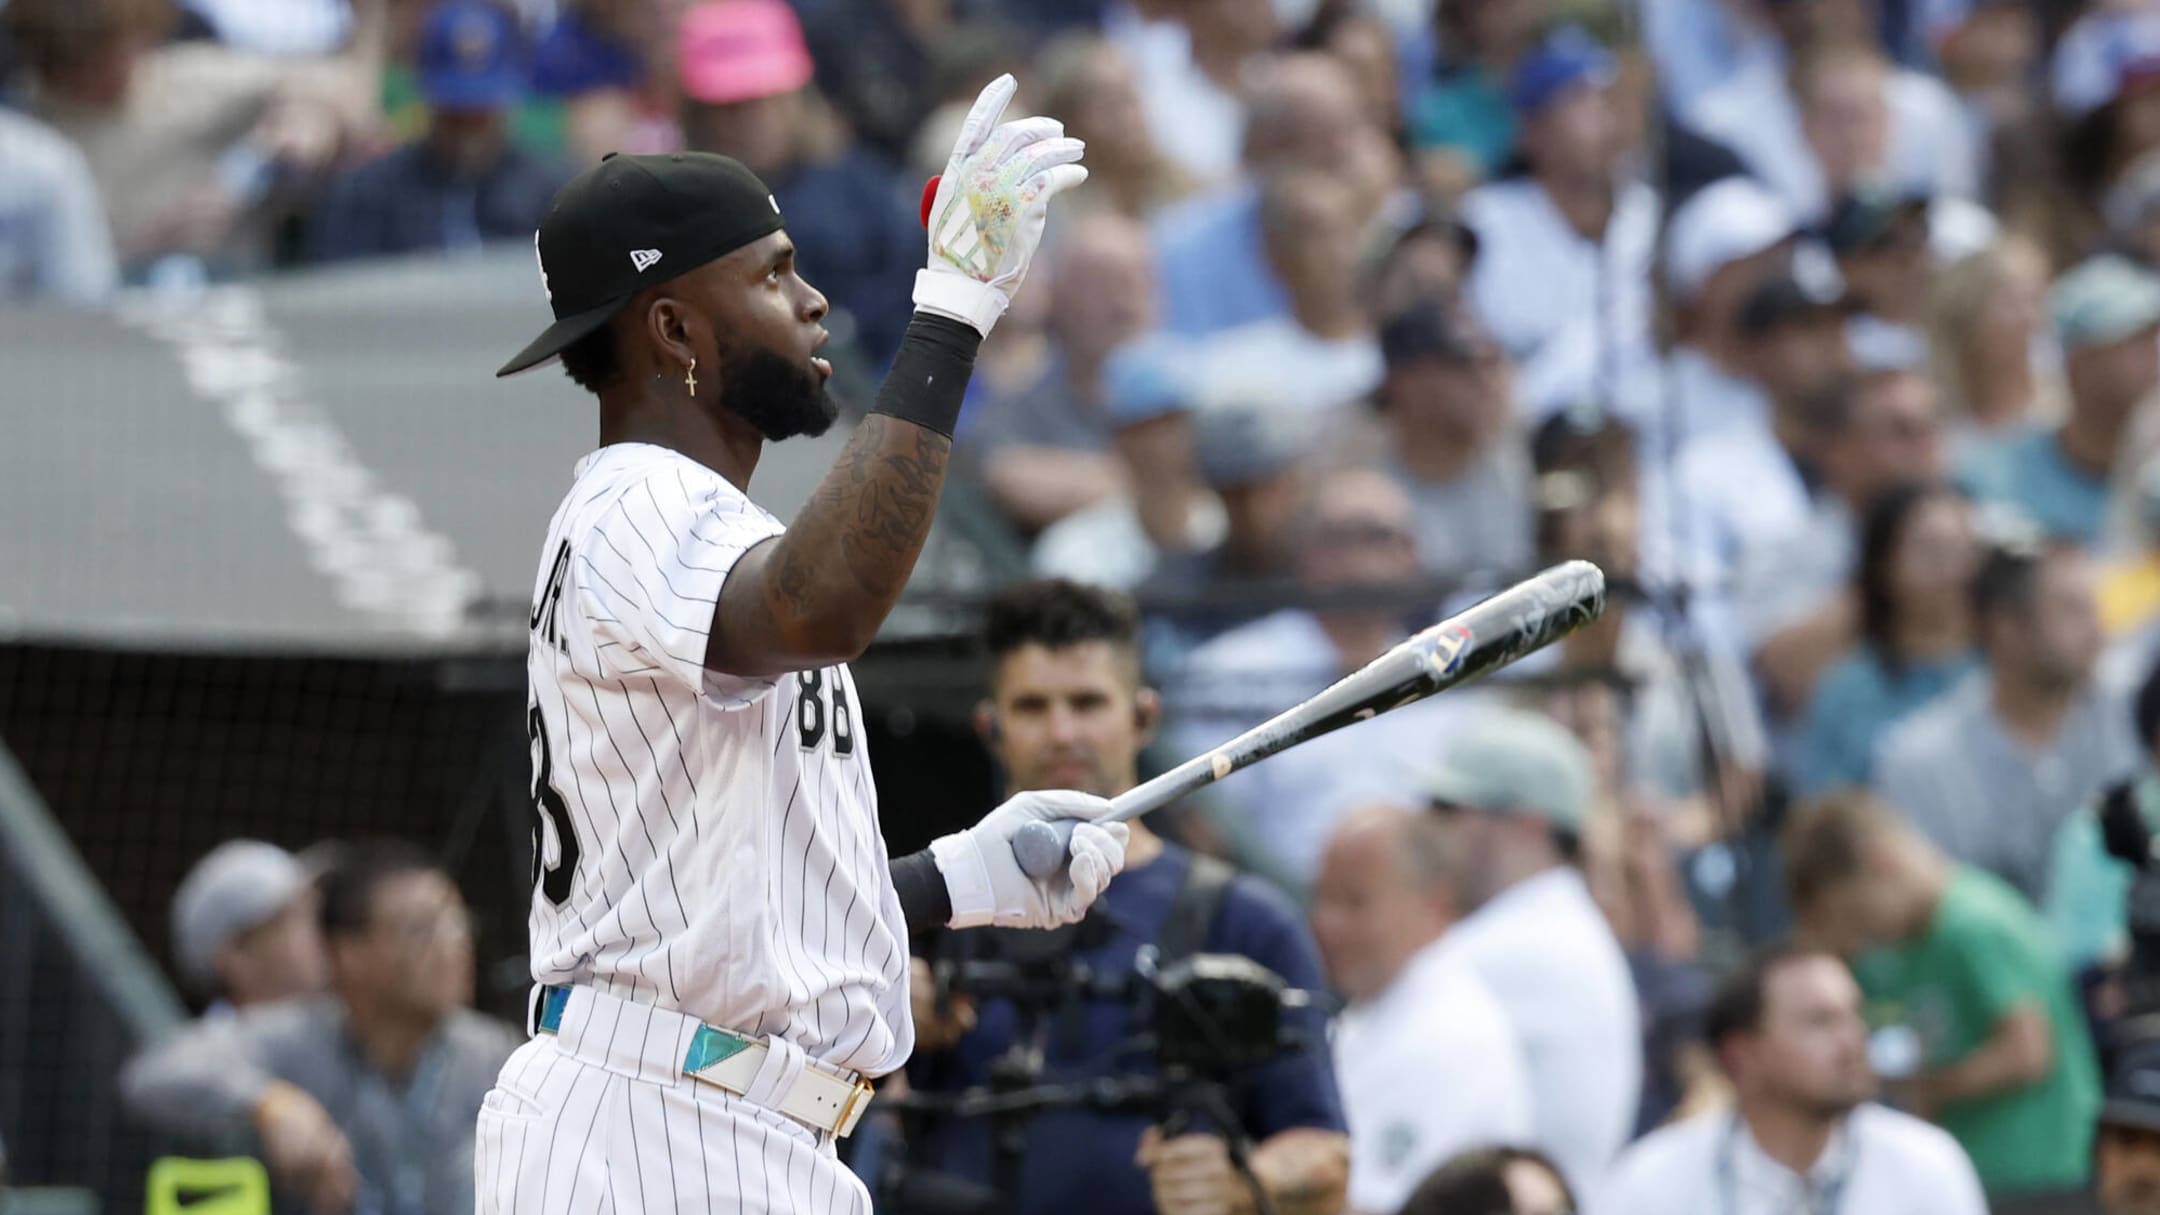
1448, 649
644, 259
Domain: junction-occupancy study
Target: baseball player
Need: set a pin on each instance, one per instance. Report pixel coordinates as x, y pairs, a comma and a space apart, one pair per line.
718, 940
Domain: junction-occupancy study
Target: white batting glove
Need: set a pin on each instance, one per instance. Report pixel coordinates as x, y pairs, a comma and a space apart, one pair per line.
991, 203
987, 885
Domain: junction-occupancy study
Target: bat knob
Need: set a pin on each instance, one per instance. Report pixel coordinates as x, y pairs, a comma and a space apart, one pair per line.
929, 196
1040, 848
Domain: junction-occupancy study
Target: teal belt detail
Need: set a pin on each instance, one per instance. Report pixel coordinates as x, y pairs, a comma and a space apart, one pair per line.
552, 1000
707, 1047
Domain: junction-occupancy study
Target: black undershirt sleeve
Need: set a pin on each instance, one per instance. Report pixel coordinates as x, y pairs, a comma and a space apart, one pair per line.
924, 900
930, 371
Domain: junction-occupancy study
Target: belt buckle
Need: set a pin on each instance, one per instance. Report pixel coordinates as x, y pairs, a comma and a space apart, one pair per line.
858, 1101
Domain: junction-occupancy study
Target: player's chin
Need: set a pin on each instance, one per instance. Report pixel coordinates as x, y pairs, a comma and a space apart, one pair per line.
826, 410
812, 415
781, 396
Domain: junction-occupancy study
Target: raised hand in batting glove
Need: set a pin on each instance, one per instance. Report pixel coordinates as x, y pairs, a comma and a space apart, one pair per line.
987, 885
992, 200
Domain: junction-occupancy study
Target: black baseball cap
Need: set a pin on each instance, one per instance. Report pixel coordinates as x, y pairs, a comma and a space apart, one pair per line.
630, 222
1782, 300
1860, 220
1435, 327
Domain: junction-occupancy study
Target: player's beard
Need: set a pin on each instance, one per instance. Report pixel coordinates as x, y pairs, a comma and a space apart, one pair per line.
781, 397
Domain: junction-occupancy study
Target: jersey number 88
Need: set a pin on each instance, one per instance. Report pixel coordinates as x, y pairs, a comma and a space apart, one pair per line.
814, 716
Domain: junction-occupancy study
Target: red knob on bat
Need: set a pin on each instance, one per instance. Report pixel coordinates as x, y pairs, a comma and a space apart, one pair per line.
929, 195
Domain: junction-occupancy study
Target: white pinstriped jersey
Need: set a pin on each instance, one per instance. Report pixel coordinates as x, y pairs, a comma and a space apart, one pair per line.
704, 843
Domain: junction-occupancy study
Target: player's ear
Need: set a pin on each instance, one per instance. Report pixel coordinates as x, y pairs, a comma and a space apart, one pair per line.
676, 331
1147, 714
986, 727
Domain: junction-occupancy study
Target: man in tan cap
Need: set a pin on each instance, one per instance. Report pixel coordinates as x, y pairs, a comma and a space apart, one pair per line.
1515, 793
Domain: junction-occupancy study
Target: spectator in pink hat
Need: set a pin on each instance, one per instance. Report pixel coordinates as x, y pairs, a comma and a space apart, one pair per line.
745, 74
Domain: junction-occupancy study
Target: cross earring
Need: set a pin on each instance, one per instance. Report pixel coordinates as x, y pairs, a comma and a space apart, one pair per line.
690, 376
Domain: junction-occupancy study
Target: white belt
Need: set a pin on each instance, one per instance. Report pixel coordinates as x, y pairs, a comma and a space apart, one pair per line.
769, 1073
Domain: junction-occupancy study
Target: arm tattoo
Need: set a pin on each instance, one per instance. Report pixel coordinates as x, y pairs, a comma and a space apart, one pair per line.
858, 537
892, 514
821, 590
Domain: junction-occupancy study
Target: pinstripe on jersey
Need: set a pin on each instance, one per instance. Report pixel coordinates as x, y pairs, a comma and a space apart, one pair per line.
705, 843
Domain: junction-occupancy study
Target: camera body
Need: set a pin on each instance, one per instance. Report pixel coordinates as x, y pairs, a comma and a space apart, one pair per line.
1205, 1015
1215, 1015
1187, 1032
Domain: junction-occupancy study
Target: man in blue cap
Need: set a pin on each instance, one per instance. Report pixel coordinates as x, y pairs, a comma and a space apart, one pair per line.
463, 183
1563, 270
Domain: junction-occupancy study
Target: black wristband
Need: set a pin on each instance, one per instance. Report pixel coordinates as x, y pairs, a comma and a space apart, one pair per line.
924, 900
929, 375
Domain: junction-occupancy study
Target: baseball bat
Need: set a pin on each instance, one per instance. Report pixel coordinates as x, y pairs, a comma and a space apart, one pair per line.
1524, 618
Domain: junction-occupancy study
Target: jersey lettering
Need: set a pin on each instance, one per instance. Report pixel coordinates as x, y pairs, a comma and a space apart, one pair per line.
554, 880
546, 609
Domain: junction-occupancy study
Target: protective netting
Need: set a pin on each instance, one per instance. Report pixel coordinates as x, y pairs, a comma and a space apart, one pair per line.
147, 761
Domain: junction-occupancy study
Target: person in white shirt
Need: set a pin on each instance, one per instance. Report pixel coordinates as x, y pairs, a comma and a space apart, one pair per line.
1836, 114
1747, 489
1563, 271
1719, 245
1802, 1134
1189, 66
1426, 1061
1514, 793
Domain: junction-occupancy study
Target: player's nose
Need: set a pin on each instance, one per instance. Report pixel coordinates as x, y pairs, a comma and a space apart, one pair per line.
813, 304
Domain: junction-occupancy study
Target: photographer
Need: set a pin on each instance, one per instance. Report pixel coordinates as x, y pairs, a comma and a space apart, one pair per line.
2126, 1149
1067, 710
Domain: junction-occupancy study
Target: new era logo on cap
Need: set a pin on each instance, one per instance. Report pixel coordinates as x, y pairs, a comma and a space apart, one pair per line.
644, 259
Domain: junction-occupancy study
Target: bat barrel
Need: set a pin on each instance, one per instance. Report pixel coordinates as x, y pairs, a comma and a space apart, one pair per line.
1518, 621
1524, 618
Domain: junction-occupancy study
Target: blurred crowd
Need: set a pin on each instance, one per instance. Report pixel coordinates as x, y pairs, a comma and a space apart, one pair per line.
1828, 328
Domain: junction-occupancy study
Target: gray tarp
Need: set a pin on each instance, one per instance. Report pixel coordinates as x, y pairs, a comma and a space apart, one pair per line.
319, 462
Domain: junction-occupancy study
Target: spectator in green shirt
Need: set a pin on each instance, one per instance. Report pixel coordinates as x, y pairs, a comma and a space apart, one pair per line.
1957, 957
